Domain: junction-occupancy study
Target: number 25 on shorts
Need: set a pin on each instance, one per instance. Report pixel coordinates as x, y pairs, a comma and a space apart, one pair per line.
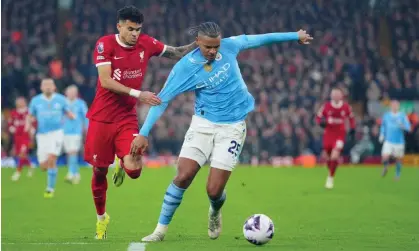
234, 148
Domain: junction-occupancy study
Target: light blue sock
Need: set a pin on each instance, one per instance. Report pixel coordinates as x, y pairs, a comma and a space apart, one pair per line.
171, 202
73, 164
398, 168
52, 178
385, 163
218, 203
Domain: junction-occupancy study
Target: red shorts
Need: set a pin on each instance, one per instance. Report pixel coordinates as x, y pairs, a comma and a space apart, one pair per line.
21, 147
104, 140
330, 144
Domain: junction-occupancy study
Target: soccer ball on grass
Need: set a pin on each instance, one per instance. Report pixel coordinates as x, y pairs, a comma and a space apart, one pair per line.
258, 229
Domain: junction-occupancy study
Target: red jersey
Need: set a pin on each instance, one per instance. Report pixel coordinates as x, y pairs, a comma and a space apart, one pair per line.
336, 116
129, 66
17, 123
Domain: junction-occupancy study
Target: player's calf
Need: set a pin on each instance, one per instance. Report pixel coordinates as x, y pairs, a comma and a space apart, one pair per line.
386, 161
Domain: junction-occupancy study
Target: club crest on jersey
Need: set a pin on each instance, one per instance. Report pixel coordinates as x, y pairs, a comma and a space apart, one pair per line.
100, 47
207, 67
218, 57
141, 54
342, 113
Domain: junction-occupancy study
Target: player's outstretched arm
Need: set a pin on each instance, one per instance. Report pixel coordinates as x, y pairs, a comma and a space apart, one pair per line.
254, 41
178, 52
112, 85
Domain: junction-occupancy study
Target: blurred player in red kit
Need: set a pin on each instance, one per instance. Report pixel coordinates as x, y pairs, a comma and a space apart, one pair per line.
121, 60
332, 117
21, 136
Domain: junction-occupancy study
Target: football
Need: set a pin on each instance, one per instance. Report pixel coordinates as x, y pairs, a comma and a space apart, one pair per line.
258, 229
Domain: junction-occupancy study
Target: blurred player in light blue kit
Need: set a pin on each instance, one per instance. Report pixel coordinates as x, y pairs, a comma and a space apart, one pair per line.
218, 129
49, 109
73, 133
393, 125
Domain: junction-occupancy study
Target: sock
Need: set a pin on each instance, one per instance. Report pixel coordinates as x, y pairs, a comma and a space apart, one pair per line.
171, 202
385, 163
52, 178
73, 165
398, 168
332, 165
19, 165
99, 187
216, 204
101, 217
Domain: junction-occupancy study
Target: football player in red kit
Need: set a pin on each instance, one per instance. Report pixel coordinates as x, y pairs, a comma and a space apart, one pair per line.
21, 136
121, 60
332, 117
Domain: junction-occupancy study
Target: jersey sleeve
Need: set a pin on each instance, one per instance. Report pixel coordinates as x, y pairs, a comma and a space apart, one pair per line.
179, 81
32, 108
321, 114
383, 125
102, 54
244, 42
351, 117
83, 112
406, 123
156, 47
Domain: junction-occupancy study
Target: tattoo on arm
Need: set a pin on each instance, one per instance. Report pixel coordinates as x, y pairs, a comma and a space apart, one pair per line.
178, 52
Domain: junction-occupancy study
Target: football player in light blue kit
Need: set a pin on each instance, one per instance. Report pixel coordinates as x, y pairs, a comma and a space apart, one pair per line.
73, 132
49, 109
218, 129
393, 125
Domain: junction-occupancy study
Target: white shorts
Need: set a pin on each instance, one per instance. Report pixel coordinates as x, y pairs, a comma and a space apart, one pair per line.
72, 143
49, 143
390, 149
221, 144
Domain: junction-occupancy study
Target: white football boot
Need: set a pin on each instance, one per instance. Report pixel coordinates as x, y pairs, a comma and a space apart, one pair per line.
214, 223
329, 182
157, 235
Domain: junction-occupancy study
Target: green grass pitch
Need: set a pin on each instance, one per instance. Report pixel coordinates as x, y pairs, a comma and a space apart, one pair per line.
364, 212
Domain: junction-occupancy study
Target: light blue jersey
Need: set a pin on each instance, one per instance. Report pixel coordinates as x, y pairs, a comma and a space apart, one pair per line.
49, 113
221, 93
392, 127
75, 126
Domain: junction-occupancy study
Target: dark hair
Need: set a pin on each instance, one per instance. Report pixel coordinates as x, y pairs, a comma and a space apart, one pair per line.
130, 13
209, 29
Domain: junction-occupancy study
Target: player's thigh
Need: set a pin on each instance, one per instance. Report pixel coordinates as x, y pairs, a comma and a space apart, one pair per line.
56, 140
228, 143
197, 145
42, 147
72, 143
386, 150
398, 151
99, 148
126, 132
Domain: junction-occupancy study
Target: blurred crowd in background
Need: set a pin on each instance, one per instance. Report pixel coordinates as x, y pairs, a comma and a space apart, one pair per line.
368, 48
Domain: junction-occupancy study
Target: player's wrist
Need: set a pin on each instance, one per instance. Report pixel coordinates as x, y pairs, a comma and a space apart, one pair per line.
134, 93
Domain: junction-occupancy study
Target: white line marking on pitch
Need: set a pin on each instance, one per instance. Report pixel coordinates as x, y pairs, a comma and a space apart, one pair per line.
136, 246
48, 243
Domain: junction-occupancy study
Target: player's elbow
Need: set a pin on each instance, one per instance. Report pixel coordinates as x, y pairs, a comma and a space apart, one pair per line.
105, 82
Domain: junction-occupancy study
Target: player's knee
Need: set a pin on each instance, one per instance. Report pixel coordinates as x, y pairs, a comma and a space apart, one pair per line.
335, 155
100, 171
184, 178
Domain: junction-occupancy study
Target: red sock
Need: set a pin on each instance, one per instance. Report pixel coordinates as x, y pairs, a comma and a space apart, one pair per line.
332, 165
99, 187
20, 165
133, 174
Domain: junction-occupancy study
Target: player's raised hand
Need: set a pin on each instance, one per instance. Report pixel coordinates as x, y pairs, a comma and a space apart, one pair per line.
304, 37
149, 98
138, 145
